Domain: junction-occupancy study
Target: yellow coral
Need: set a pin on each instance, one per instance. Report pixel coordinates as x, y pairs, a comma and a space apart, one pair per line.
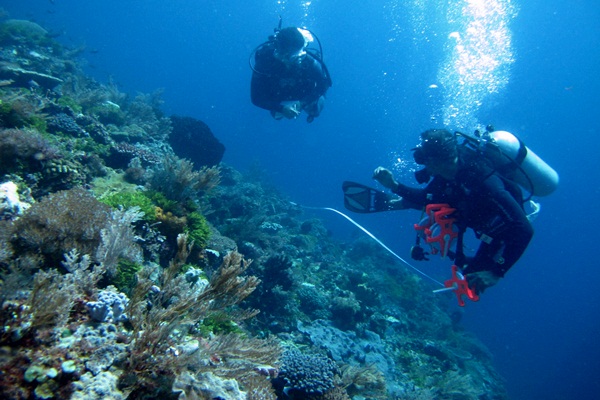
170, 225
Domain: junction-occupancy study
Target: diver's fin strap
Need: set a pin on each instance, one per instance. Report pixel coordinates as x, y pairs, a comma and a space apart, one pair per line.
363, 199
459, 284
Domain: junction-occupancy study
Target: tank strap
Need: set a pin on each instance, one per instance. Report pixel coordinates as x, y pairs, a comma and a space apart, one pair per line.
459, 256
516, 165
522, 153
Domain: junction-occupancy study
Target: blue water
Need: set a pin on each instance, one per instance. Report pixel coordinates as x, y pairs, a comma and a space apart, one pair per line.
537, 76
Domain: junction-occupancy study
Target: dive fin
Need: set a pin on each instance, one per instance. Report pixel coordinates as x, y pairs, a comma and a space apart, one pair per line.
363, 199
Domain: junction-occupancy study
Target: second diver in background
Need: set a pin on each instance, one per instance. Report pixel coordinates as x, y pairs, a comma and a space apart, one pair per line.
287, 77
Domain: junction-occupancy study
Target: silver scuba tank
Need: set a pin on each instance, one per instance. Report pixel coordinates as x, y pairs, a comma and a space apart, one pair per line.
513, 159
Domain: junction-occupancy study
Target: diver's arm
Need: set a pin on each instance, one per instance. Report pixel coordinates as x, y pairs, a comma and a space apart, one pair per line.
323, 80
260, 93
412, 197
415, 196
316, 79
262, 86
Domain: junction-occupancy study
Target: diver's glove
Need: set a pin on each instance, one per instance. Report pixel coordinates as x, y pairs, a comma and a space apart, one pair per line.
386, 178
418, 253
313, 109
292, 110
480, 281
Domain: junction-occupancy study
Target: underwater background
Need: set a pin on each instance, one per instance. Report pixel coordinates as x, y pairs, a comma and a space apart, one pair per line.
529, 67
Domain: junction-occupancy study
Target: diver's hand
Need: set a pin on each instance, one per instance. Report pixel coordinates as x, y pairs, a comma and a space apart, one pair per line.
480, 281
291, 111
385, 177
418, 253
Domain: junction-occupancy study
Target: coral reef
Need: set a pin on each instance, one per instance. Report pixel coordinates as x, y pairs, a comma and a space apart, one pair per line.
132, 199
110, 306
11, 205
18, 31
58, 223
178, 180
197, 229
24, 150
73, 219
135, 267
307, 374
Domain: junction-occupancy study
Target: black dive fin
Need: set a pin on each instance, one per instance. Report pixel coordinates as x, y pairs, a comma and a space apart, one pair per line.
363, 199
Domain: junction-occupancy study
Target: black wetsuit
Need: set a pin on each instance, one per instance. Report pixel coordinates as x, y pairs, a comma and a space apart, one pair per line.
274, 82
486, 203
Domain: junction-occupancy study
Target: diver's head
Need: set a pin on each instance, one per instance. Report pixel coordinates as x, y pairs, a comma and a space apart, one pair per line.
289, 45
438, 151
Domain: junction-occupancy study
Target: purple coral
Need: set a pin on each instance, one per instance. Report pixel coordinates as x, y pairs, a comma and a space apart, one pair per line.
110, 307
65, 124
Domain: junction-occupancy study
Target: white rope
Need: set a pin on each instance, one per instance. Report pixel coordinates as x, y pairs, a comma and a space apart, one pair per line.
406, 263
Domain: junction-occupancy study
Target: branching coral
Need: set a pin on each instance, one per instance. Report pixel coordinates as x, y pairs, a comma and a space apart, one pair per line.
84, 275
176, 305
84, 93
51, 299
60, 222
259, 388
249, 361
53, 294
178, 180
74, 219
117, 239
237, 356
366, 381
144, 116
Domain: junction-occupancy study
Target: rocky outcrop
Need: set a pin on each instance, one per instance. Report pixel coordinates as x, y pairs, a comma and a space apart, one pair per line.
193, 139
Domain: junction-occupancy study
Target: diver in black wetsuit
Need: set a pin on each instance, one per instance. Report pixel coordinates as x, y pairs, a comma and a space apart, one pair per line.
484, 201
287, 79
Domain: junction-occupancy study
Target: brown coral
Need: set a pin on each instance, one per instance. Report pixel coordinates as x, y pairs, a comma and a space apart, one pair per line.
24, 149
59, 223
174, 307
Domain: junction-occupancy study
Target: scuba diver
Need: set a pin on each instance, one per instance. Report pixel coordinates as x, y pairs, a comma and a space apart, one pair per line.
473, 184
287, 76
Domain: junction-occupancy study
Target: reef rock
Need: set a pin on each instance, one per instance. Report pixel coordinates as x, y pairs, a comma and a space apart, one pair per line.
10, 203
206, 386
193, 139
24, 78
